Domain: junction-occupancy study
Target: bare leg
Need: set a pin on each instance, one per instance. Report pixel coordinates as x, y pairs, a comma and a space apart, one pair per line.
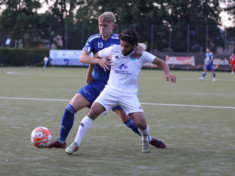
122, 115
79, 102
139, 120
95, 111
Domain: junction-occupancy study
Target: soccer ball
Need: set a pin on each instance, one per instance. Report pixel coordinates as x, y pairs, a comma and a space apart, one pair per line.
41, 137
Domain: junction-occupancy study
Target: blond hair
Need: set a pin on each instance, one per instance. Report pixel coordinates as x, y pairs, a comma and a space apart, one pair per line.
107, 17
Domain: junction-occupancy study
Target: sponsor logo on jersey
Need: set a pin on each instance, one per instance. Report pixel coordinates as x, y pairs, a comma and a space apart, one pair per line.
123, 67
122, 70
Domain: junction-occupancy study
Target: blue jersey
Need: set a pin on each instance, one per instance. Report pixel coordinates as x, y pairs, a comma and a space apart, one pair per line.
209, 57
94, 44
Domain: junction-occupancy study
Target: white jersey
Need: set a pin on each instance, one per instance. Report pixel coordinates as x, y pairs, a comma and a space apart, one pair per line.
124, 70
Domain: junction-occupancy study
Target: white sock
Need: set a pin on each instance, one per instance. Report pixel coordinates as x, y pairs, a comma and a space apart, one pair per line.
144, 133
84, 126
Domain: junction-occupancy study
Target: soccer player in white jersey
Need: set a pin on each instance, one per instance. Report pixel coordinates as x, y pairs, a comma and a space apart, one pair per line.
122, 87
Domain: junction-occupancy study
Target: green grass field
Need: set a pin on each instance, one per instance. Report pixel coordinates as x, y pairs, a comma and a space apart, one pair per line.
200, 139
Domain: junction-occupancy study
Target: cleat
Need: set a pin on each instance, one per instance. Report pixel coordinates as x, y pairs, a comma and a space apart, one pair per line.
157, 143
57, 144
201, 78
214, 79
145, 145
72, 148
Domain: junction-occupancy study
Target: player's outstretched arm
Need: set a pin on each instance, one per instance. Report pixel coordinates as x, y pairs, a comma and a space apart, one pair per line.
165, 67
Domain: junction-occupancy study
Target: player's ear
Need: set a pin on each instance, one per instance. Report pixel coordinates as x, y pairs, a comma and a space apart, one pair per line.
113, 26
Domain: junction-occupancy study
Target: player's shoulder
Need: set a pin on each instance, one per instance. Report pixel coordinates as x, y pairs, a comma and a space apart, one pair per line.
94, 37
146, 53
115, 36
146, 56
115, 48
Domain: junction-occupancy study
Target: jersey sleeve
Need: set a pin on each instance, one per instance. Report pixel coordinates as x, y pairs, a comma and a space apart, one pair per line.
105, 52
88, 46
148, 57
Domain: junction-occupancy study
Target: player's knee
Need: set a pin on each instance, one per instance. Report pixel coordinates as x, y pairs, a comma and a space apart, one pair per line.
94, 112
140, 123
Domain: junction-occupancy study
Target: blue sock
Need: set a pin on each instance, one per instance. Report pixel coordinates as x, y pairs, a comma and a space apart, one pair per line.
214, 75
67, 122
204, 74
129, 123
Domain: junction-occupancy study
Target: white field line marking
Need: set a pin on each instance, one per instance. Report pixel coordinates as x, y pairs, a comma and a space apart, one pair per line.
140, 77
151, 104
47, 75
194, 106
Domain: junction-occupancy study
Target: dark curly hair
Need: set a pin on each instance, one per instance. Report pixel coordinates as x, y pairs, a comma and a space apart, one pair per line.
130, 36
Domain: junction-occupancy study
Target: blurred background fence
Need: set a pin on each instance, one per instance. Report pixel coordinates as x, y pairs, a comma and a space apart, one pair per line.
158, 38
170, 42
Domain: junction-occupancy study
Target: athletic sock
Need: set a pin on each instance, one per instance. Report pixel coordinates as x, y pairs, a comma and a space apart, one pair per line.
204, 74
84, 126
214, 75
144, 133
130, 123
67, 123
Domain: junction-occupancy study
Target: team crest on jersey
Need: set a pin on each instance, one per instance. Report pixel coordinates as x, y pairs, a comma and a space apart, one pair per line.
122, 67
100, 45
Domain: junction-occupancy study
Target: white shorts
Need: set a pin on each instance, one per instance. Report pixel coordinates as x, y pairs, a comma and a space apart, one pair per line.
110, 98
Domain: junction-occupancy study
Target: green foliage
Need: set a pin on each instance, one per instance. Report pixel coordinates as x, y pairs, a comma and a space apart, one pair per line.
22, 57
74, 21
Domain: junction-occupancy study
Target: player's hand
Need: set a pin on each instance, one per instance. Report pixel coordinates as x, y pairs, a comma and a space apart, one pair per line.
105, 63
171, 77
138, 51
89, 78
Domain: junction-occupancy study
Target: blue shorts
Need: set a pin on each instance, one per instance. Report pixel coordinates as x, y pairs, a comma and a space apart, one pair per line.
91, 93
209, 67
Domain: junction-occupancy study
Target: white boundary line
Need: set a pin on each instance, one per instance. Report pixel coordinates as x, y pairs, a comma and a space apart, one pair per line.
151, 104
140, 77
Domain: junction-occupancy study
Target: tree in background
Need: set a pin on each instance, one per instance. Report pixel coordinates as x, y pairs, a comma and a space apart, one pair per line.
230, 9
21, 21
167, 16
74, 21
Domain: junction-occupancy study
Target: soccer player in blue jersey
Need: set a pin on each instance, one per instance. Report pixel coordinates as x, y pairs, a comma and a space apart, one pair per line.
209, 64
97, 77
